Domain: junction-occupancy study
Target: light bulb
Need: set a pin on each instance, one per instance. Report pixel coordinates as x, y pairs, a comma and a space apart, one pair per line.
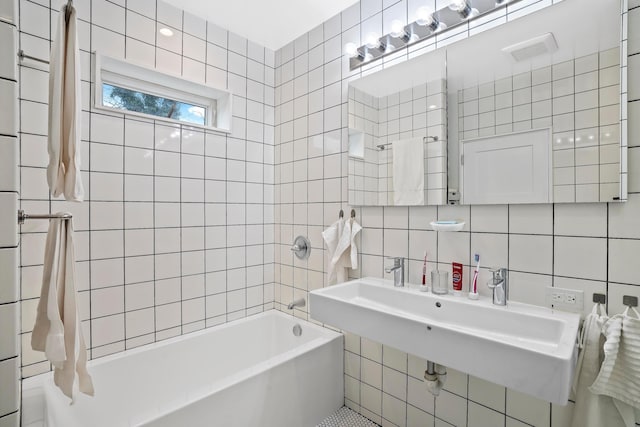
397, 28
424, 16
165, 32
351, 49
463, 8
458, 5
372, 41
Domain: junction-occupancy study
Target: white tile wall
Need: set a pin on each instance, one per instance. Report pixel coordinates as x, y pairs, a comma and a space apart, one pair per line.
589, 247
154, 259
9, 305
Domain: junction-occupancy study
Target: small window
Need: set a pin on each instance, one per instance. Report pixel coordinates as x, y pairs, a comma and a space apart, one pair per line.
132, 100
123, 86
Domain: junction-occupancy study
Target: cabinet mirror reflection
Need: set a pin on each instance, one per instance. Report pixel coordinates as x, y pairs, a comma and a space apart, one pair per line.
527, 111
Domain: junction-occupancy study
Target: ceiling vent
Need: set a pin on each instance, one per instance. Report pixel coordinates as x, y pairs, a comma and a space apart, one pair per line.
540, 45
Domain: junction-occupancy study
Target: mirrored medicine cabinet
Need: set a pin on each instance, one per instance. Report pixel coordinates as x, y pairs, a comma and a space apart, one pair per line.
525, 112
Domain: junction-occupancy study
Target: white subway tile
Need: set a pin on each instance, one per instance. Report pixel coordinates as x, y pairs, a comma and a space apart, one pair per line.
8, 103
580, 257
451, 408
10, 384
9, 318
621, 261
9, 225
8, 48
9, 266
531, 253
8, 164
528, 409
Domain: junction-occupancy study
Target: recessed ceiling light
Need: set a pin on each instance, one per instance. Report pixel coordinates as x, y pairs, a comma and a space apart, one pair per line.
166, 32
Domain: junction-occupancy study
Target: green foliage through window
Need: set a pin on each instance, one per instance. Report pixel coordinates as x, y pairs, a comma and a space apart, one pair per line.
132, 100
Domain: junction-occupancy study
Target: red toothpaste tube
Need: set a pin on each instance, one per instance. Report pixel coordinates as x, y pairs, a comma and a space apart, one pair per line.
457, 277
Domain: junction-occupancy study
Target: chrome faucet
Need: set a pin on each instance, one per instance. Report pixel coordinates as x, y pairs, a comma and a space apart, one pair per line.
300, 302
499, 284
398, 271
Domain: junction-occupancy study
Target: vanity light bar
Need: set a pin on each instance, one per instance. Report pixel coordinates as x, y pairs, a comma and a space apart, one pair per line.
456, 13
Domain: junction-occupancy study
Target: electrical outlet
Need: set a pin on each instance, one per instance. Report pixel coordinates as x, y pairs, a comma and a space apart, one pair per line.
565, 299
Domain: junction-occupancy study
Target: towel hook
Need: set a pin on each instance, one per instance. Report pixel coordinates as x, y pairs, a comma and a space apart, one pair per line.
341, 214
599, 298
353, 213
630, 301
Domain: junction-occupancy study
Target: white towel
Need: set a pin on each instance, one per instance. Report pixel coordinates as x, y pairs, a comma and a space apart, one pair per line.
346, 252
592, 410
57, 330
63, 173
331, 237
619, 375
408, 172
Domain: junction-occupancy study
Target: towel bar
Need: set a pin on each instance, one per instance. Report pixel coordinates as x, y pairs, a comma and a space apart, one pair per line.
23, 56
22, 216
425, 139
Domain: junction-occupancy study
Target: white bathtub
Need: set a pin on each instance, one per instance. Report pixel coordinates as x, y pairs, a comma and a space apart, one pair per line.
250, 372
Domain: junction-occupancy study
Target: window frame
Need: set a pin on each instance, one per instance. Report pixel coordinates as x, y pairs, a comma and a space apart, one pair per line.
141, 79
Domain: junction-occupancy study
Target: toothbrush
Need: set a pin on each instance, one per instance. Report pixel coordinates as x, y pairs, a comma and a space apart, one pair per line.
474, 286
424, 270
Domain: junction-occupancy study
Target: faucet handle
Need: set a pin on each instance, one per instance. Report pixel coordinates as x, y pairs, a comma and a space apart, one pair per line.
397, 261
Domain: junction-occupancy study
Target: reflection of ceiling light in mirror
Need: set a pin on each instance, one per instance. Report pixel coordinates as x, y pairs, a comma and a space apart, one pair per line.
372, 41
424, 15
591, 137
463, 8
578, 139
165, 32
426, 19
397, 28
351, 49
607, 134
432, 107
558, 141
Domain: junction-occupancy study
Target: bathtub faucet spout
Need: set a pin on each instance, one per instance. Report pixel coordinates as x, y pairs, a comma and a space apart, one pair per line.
300, 302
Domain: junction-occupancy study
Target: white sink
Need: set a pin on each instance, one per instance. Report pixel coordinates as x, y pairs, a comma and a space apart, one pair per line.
524, 347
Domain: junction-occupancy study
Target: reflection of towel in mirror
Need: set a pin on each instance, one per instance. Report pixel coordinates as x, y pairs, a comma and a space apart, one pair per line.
592, 410
408, 172
331, 237
619, 376
57, 330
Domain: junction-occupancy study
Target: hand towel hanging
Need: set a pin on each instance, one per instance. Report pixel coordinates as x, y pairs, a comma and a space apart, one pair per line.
346, 252
331, 237
592, 410
619, 375
57, 330
65, 128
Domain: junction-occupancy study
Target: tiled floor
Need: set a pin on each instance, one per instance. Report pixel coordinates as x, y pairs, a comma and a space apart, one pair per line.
345, 417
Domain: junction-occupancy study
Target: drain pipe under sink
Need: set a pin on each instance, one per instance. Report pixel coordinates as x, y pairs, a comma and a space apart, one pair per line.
435, 377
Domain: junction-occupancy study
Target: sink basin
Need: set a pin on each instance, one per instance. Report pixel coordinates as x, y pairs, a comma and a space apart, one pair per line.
524, 347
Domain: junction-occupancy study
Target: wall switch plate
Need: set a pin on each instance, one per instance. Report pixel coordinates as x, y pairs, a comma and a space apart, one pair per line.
565, 299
